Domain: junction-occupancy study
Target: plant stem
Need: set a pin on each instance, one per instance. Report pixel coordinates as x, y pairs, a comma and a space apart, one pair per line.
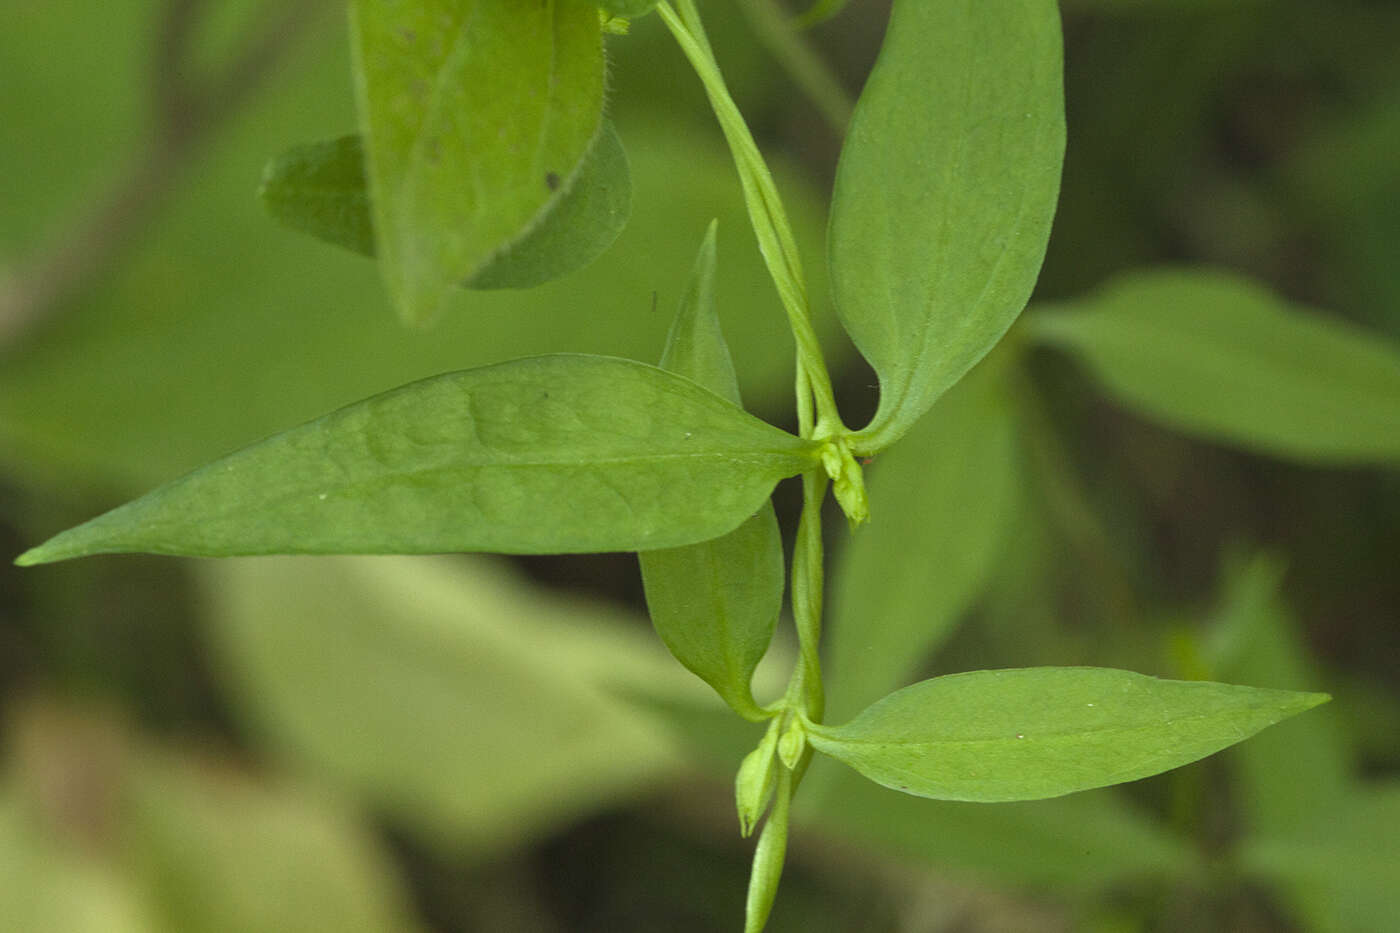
807, 583
768, 857
765, 207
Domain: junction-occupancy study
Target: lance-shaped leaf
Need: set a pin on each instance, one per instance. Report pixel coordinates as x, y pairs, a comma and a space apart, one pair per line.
476, 114
945, 192
1215, 355
1041, 732
321, 189
551, 454
715, 603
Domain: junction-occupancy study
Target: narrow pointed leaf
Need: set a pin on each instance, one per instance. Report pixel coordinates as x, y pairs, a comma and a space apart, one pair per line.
945, 500
549, 454
945, 192
1041, 732
476, 116
715, 603
321, 189
1217, 356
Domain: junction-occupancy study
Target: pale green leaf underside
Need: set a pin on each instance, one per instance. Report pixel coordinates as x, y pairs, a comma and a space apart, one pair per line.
1215, 355
945, 193
550, 454
945, 498
476, 114
320, 189
715, 603
1042, 732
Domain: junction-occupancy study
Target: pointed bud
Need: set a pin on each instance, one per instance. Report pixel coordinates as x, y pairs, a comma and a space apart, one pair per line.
792, 744
753, 785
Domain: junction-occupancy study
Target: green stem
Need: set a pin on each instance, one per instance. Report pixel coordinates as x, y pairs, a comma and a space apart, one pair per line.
768, 857
808, 70
807, 583
765, 208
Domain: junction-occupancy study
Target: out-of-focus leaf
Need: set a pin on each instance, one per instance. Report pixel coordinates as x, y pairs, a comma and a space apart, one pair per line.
476, 114
1341, 870
47, 887
550, 454
217, 852
942, 502
1041, 732
945, 191
1341, 179
715, 603
1083, 842
819, 11
1299, 768
320, 189
469, 705
1215, 355
163, 842
50, 168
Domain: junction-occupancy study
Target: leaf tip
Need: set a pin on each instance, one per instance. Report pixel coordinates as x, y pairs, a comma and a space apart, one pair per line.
1308, 700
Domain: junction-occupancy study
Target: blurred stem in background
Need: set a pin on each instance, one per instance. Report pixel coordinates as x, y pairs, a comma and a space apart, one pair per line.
185, 108
792, 50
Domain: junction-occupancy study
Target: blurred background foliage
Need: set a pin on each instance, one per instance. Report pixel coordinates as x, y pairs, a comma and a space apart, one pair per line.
475, 744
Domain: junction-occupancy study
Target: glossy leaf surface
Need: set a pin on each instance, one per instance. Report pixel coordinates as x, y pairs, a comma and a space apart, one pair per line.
477, 114
321, 189
715, 603
945, 192
1212, 354
549, 454
1041, 732
945, 499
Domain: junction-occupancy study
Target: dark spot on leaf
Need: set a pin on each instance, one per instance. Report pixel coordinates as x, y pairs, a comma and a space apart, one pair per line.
551, 181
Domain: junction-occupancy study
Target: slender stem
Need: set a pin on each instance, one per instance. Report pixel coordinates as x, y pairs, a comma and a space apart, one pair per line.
768, 857
807, 584
765, 207
808, 70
